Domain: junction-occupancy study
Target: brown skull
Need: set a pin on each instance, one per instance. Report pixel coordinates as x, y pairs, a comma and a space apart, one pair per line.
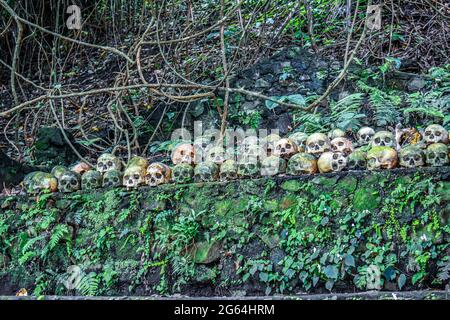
285, 148
317, 143
157, 173
343, 145
183, 153
365, 135
381, 158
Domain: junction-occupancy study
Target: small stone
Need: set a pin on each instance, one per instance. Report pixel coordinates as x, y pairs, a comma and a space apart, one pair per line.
261, 83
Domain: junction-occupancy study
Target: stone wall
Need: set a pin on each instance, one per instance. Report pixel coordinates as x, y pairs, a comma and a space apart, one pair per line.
288, 235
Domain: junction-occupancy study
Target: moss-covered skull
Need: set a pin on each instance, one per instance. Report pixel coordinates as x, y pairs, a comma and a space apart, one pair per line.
357, 160
134, 177
302, 163
437, 155
69, 181
216, 154
112, 179
183, 153
299, 139
58, 171
202, 145
273, 165
381, 158
91, 180
228, 170
332, 162
249, 162
269, 143
285, 148
108, 162
182, 173
137, 161
206, 171
40, 182
383, 139
411, 157
158, 173
343, 145
336, 133
248, 143
365, 135
317, 143
435, 134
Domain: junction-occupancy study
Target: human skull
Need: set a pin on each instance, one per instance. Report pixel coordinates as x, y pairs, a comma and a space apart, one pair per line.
343, 145
157, 173
40, 182
216, 154
183, 153
302, 163
269, 143
58, 171
228, 170
317, 143
108, 162
91, 180
273, 165
285, 148
357, 160
332, 162
435, 133
140, 162
365, 135
80, 168
381, 158
336, 133
112, 179
437, 155
299, 139
206, 172
249, 162
69, 181
202, 145
182, 173
411, 157
248, 143
383, 139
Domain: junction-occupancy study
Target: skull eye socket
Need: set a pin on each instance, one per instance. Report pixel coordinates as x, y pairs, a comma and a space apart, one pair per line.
288, 146
442, 155
431, 155
427, 133
311, 145
136, 176
352, 163
335, 156
405, 158
158, 175
363, 136
110, 163
126, 177
361, 163
73, 182
377, 140
334, 166
93, 180
387, 140
321, 143
340, 143
417, 157
438, 134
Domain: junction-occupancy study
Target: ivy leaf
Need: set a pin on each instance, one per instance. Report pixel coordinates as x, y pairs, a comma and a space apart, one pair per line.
263, 276
331, 272
401, 281
296, 99
329, 285
349, 260
271, 104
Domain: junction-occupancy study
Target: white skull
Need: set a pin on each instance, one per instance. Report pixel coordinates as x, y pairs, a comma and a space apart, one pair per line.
365, 135
435, 133
383, 139
157, 173
332, 162
134, 177
108, 162
273, 165
299, 139
343, 145
285, 148
317, 143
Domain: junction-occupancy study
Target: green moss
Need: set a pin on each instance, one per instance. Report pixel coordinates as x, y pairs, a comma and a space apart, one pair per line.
291, 185
366, 199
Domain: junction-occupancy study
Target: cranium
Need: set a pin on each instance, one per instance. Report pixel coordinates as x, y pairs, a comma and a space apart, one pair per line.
91, 180
216, 154
273, 165
112, 179
158, 173
365, 135
40, 182
228, 170
435, 133
134, 176
182, 173
69, 181
58, 171
411, 157
299, 139
383, 139
248, 163
357, 160
285, 148
269, 143
302, 163
343, 145
437, 155
332, 162
108, 162
248, 142
80, 167
381, 158
202, 145
183, 153
317, 143
336, 133
206, 171
140, 162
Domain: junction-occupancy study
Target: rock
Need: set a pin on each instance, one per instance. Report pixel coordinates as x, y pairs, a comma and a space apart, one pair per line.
52, 149
366, 199
416, 84
206, 252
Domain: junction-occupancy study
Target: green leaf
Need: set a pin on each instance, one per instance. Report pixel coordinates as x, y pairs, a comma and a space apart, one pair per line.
349, 260
263, 276
401, 281
296, 99
331, 272
329, 285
